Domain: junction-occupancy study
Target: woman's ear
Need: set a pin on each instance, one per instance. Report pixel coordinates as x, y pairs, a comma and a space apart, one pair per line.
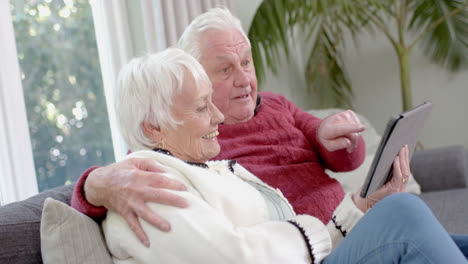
152, 131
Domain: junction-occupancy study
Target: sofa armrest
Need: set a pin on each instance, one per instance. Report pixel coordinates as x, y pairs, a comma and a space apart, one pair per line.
441, 168
20, 226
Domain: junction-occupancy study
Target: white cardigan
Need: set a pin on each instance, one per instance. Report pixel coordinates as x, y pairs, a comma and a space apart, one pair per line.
227, 221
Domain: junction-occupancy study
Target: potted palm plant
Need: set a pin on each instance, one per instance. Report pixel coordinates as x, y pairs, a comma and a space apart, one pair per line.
439, 26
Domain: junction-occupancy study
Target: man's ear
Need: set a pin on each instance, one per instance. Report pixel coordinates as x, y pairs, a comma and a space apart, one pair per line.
152, 131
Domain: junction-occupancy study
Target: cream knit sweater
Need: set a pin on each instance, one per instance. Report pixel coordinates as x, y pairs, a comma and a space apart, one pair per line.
227, 221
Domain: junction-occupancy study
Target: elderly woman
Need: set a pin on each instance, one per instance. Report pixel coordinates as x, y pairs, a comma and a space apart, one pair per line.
165, 110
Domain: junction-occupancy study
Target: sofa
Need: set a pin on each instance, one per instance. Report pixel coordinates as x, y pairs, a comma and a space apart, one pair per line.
440, 173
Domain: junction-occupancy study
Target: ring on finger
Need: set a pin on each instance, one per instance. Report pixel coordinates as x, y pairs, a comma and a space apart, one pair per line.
404, 180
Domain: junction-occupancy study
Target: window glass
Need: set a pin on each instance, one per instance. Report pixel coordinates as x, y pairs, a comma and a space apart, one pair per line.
63, 88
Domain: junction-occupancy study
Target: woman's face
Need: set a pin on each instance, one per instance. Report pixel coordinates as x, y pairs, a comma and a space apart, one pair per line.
195, 140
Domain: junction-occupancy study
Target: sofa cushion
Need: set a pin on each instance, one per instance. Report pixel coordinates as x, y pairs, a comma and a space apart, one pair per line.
441, 168
450, 207
20, 225
68, 236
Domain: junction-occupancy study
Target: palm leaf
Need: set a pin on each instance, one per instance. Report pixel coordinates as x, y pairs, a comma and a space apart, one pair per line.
447, 43
272, 23
275, 22
267, 33
325, 72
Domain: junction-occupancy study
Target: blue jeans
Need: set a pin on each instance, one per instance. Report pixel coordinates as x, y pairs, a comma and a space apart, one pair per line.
462, 243
399, 229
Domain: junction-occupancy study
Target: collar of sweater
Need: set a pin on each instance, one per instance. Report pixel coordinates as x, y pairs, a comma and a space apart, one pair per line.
167, 152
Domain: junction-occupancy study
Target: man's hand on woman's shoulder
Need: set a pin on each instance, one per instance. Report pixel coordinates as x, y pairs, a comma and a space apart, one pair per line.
126, 186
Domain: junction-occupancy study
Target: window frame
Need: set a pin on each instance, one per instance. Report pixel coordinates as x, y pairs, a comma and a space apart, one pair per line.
18, 179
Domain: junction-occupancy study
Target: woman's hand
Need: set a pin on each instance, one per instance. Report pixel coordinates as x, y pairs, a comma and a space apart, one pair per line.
401, 174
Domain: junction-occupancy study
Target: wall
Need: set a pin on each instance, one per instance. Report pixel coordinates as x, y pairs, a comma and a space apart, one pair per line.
290, 73
374, 73
375, 78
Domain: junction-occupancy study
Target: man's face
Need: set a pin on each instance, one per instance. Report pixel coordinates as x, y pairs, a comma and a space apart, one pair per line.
227, 59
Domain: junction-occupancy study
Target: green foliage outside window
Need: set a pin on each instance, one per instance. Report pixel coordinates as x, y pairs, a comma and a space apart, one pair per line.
63, 88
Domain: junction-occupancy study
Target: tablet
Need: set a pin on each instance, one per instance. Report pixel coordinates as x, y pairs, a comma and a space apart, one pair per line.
401, 129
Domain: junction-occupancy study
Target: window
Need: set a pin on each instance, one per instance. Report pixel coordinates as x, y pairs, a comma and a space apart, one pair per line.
63, 88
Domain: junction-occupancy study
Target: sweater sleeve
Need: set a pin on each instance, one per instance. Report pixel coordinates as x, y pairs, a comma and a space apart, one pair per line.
337, 161
344, 218
203, 234
318, 239
79, 202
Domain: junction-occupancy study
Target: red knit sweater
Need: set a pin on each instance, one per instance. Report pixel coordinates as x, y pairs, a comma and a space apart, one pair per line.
279, 146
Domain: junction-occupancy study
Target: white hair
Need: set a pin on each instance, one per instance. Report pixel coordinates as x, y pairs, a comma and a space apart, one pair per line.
145, 90
215, 18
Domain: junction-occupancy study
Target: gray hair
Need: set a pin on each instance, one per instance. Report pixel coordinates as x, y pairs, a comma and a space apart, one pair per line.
215, 18
145, 89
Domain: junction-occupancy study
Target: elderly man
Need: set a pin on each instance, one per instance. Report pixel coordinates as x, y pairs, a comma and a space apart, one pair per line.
281, 144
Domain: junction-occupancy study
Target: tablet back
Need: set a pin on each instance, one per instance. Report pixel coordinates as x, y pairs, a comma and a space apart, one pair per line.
401, 129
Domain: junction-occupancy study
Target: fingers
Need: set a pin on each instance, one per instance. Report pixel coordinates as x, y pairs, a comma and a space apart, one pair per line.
136, 228
353, 116
163, 182
125, 187
340, 130
397, 177
150, 170
401, 170
336, 144
405, 162
163, 197
353, 138
145, 164
405, 167
347, 140
139, 209
152, 218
